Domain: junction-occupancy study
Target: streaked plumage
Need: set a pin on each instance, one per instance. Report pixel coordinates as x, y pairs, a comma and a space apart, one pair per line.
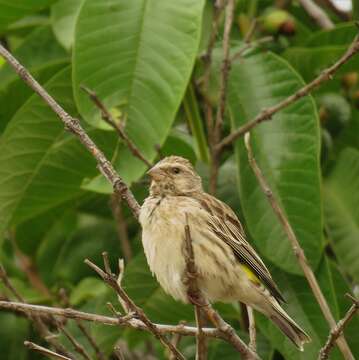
228, 266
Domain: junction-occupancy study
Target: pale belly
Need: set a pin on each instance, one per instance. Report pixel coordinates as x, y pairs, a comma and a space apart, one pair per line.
221, 277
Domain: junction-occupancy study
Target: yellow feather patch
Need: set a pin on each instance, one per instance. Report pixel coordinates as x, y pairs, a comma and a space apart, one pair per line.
250, 274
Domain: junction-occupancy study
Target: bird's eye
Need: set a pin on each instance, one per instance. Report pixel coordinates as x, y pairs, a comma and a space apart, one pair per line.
176, 170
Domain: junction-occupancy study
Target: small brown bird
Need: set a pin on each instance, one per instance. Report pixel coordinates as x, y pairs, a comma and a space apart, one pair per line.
228, 267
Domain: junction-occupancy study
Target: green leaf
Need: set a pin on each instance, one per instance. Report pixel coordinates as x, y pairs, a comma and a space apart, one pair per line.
321, 50
17, 92
287, 150
64, 249
41, 165
138, 57
38, 49
12, 11
63, 17
13, 332
341, 199
87, 288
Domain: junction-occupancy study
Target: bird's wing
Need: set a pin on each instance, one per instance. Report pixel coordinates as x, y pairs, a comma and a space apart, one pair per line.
225, 224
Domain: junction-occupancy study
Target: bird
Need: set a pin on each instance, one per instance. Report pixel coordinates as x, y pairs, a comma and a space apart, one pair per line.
228, 267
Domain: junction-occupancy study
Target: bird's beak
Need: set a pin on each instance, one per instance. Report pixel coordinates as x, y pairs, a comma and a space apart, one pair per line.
155, 173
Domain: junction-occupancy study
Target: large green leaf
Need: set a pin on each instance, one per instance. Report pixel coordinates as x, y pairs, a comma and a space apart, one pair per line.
39, 48
138, 56
287, 151
321, 50
43, 56
63, 17
41, 165
341, 199
10, 10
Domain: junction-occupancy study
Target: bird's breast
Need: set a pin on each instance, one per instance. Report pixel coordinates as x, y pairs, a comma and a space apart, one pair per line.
162, 239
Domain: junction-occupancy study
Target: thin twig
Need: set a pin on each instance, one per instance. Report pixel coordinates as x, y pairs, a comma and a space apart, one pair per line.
298, 251
204, 80
249, 34
225, 68
111, 280
105, 320
73, 125
29, 268
251, 328
121, 226
268, 113
176, 338
77, 346
48, 353
195, 296
107, 117
121, 272
85, 332
338, 329
317, 14
39, 323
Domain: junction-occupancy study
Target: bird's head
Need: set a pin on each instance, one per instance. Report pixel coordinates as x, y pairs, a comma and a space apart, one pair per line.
174, 175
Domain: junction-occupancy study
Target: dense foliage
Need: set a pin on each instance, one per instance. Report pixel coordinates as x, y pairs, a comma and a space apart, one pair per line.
144, 60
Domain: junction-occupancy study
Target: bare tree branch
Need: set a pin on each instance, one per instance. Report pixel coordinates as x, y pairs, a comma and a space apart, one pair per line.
105, 320
73, 125
48, 353
317, 14
268, 113
338, 329
110, 279
225, 67
195, 297
298, 251
107, 117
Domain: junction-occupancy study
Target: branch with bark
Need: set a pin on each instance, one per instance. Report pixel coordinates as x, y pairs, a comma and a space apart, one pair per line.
338, 329
297, 249
108, 118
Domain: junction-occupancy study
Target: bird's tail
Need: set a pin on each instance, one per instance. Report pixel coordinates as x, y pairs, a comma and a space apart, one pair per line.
288, 326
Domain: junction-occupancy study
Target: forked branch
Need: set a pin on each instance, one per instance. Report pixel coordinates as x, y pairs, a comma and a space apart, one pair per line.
338, 329
110, 279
